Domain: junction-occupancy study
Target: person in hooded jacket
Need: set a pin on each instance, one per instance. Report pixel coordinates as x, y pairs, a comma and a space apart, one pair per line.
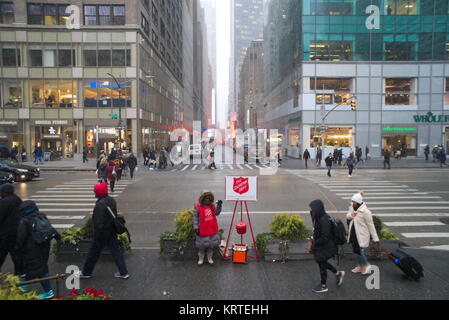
111, 174
104, 234
206, 226
34, 256
361, 230
132, 164
323, 247
9, 223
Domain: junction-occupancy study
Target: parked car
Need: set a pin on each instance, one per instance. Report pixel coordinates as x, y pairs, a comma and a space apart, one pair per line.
6, 177
21, 173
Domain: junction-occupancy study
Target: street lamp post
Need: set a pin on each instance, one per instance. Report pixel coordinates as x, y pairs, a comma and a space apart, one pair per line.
120, 122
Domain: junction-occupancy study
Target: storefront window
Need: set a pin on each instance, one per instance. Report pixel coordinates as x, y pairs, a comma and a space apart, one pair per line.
12, 93
53, 93
400, 51
333, 137
328, 98
107, 94
341, 86
57, 141
405, 145
11, 135
331, 50
398, 91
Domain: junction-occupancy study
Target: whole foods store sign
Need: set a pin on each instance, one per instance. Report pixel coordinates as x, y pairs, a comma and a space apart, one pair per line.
431, 118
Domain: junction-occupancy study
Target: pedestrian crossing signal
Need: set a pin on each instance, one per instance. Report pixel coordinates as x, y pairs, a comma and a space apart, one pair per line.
354, 105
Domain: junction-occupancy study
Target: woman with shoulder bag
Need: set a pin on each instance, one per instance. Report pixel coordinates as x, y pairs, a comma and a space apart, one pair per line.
111, 174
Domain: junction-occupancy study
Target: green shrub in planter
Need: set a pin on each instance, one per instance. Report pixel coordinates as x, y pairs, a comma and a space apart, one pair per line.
387, 234
262, 240
184, 227
289, 227
10, 291
378, 225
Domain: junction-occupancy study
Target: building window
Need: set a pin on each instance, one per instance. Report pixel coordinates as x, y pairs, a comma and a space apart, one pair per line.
51, 57
400, 51
53, 93
104, 15
446, 97
154, 14
399, 91
6, 12
331, 8
145, 25
12, 93
107, 57
106, 94
10, 56
341, 87
331, 50
401, 7
48, 14
333, 137
146, 4
154, 39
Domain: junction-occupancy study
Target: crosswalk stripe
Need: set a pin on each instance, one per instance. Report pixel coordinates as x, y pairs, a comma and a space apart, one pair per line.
405, 202
249, 167
80, 188
414, 224
63, 199
74, 192
407, 215
66, 217
230, 167
240, 167
364, 187
194, 167
397, 197
185, 168
426, 235
443, 247
367, 194
370, 190
406, 208
63, 226
42, 204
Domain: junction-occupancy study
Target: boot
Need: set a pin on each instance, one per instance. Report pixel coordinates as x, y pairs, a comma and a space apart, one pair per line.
210, 253
201, 258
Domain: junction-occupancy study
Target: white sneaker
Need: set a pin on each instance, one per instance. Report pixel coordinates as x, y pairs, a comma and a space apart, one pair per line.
367, 270
357, 270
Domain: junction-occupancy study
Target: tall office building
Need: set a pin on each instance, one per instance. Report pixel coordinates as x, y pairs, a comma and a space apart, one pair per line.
390, 57
56, 88
246, 26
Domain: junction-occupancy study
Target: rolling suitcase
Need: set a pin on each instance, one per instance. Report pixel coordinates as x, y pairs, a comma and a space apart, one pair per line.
409, 265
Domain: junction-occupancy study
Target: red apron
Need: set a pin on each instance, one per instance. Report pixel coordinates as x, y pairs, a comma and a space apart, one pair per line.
208, 220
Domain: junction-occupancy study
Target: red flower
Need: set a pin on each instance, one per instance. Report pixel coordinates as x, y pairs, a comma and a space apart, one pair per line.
100, 293
106, 298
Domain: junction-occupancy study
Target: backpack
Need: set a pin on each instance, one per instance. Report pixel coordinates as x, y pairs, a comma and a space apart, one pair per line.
338, 231
119, 224
42, 230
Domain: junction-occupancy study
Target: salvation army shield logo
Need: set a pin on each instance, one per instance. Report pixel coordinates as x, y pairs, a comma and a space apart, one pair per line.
241, 185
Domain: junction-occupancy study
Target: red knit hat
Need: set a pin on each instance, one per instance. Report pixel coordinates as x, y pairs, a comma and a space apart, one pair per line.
101, 190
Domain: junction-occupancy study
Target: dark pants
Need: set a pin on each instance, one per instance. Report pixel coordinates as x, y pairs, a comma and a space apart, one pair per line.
112, 184
427, 156
95, 251
131, 172
387, 162
329, 169
46, 285
324, 266
351, 168
7, 246
85, 159
213, 165
305, 160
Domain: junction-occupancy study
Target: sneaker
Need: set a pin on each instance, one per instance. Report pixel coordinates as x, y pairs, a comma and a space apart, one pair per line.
367, 270
349, 176
119, 276
46, 295
340, 278
82, 276
320, 289
357, 270
24, 288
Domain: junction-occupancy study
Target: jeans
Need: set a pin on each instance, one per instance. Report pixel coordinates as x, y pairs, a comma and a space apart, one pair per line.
387, 162
329, 169
362, 260
7, 246
95, 251
306, 162
112, 184
131, 172
324, 266
46, 285
351, 168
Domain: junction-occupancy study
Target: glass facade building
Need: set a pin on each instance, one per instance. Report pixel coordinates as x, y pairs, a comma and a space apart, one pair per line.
391, 56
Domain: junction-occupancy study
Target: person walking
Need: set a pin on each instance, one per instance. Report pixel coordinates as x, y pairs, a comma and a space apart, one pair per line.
211, 159
102, 167
427, 152
9, 224
206, 226
152, 160
145, 157
306, 157
111, 175
14, 153
361, 230
132, 164
435, 154
38, 155
329, 162
104, 235
34, 244
85, 155
366, 153
442, 157
319, 156
350, 162
358, 154
387, 157
323, 245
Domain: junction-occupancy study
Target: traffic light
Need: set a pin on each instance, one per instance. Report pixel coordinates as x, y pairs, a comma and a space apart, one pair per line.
354, 105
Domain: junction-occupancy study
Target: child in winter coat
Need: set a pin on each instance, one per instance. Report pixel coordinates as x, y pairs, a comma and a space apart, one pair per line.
206, 226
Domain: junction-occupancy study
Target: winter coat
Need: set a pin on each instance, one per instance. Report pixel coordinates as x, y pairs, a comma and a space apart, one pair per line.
34, 256
324, 246
109, 171
102, 218
132, 161
329, 161
387, 155
212, 241
443, 156
364, 226
350, 161
9, 216
306, 154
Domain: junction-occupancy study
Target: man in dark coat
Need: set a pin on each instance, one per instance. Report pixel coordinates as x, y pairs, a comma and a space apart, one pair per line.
34, 255
132, 164
387, 157
319, 156
104, 234
329, 162
324, 246
9, 223
306, 157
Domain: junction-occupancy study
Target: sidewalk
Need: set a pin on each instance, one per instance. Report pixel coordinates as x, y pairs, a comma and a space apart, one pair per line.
154, 277
376, 163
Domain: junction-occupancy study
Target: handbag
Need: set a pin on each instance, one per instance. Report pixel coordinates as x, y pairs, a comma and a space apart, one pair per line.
119, 224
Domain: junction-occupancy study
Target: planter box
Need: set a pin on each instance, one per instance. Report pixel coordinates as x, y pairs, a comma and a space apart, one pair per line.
296, 251
175, 250
68, 250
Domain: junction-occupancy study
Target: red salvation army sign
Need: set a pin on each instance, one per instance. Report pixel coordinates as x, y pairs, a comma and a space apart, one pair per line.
241, 188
